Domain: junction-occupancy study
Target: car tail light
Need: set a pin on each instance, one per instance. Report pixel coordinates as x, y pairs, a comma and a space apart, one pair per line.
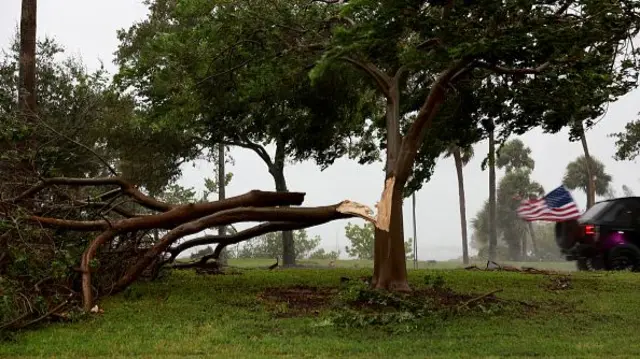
589, 230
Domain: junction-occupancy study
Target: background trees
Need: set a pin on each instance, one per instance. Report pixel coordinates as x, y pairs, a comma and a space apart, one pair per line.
362, 239
577, 176
461, 156
253, 91
513, 187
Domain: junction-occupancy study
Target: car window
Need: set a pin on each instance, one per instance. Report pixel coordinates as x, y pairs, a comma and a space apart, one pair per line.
618, 213
595, 211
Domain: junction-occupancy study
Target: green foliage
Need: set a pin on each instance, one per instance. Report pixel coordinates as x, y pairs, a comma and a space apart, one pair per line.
324, 255
581, 51
270, 245
576, 176
362, 239
253, 88
515, 186
514, 155
628, 142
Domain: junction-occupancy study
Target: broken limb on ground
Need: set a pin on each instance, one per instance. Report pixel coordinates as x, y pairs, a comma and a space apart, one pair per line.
119, 213
493, 266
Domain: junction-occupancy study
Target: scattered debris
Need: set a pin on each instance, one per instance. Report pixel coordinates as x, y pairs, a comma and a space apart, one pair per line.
493, 266
97, 310
557, 283
478, 298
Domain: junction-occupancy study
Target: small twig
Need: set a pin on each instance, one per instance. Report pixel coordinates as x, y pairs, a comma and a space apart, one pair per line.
109, 167
47, 314
473, 300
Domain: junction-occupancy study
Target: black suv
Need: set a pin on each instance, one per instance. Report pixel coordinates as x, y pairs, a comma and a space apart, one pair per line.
607, 236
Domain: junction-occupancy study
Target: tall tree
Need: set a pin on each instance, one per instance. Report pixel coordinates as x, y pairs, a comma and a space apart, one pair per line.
578, 177
514, 156
448, 42
461, 156
27, 89
515, 186
254, 91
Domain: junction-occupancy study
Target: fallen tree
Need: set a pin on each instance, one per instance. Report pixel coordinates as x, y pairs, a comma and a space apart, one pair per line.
119, 224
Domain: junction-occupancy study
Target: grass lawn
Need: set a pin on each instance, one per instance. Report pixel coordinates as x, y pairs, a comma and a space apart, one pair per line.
189, 315
363, 263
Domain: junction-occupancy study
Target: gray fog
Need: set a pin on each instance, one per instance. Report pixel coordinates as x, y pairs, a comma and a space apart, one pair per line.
87, 28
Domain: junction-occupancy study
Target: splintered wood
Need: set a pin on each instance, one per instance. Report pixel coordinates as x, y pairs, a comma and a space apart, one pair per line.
356, 209
383, 218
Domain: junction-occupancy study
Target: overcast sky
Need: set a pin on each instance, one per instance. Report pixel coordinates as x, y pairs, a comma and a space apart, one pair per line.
88, 28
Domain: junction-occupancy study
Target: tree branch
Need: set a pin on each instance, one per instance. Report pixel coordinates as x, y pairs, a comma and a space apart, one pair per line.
178, 215
513, 71
125, 187
415, 135
238, 237
382, 80
314, 215
258, 149
105, 162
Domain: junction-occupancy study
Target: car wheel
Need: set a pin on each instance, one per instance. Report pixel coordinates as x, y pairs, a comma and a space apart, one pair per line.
624, 257
589, 263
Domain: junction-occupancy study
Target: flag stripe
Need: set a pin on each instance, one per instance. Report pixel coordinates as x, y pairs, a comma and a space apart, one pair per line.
556, 206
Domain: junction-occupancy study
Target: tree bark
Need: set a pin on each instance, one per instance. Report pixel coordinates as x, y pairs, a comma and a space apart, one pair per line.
390, 266
221, 191
493, 231
532, 232
591, 187
277, 171
463, 211
221, 182
27, 72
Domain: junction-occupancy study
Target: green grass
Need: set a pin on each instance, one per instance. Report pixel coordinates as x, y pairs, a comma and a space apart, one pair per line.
188, 315
363, 263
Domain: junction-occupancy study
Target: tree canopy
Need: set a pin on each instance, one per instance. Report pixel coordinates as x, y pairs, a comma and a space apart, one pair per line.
576, 176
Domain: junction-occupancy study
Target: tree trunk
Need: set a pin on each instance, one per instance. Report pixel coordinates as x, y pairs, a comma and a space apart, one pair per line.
27, 72
493, 231
221, 182
277, 171
390, 263
534, 245
463, 211
591, 187
415, 232
221, 193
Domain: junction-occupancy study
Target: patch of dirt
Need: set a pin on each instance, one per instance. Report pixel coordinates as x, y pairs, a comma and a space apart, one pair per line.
298, 300
557, 283
285, 302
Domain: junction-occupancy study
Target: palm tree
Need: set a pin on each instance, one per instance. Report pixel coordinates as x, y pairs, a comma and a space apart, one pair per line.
461, 157
515, 157
581, 172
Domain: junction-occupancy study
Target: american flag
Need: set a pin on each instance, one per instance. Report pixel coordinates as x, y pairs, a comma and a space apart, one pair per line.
556, 206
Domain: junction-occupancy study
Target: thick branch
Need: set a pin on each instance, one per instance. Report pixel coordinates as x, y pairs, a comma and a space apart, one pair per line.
178, 215
415, 135
317, 215
382, 80
240, 236
125, 187
258, 149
